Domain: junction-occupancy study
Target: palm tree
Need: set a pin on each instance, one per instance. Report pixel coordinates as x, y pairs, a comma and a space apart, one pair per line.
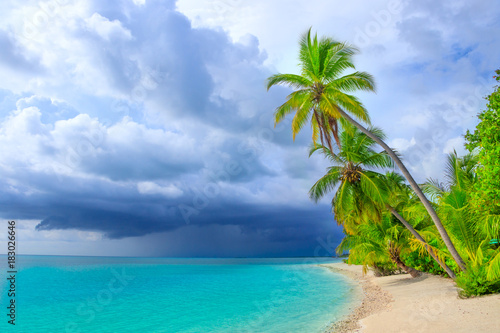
361, 195
322, 96
321, 89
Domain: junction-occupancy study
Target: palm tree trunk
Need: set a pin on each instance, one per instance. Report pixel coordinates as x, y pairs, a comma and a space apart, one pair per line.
401, 265
417, 236
435, 218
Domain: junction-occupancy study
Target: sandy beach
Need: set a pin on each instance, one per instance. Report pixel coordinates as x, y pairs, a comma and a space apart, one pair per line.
429, 303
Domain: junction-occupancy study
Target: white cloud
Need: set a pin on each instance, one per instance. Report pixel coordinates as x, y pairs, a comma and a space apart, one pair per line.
27, 233
455, 144
84, 146
278, 25
401, 144
139, 2
415, 118
107, 29
169, 191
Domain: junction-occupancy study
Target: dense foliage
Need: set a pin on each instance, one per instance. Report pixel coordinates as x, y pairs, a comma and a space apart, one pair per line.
486, 139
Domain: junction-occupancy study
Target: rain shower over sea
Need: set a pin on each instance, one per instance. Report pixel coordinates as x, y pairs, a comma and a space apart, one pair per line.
110, 294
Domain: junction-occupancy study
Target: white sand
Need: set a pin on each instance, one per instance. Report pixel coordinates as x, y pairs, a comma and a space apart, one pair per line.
425, 304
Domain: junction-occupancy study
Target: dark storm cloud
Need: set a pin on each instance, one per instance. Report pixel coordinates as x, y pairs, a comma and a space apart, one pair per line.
122, 212
275, 223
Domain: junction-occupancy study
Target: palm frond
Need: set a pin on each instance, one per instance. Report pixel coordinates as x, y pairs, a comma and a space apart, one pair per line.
433, 189
489, 226
347, 102
316, 131
308, 55
423, 249
345, 245
325, 184
332, 157
378, 132
452, 169
373, 187
353, 82
459, 221
378, 160
288, 80
342, 200
301, 118
298, 100
340, 60
493, 268
329, 107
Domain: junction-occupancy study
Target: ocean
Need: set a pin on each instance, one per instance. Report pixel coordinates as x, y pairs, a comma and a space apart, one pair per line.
111, 294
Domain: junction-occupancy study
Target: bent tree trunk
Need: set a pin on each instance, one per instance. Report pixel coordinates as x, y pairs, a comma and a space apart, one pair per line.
435, 218
401, 265
420, 238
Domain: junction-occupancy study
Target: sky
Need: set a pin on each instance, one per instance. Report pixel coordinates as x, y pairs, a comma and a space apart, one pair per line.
144, 128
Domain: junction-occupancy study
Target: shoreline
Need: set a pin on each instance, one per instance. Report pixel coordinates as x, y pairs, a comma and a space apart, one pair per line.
374, 299
400, 303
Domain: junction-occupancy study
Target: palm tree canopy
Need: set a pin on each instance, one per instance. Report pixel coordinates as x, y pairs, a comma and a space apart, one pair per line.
359, 189
321, 89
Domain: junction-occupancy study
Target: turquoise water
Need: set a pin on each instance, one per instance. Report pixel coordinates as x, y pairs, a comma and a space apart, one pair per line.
101, 294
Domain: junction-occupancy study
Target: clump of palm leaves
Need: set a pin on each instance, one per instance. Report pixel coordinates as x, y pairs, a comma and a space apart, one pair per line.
379, 245
366, 200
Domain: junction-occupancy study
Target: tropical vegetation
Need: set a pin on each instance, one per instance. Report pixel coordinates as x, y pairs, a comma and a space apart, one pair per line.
390, 222
486, 141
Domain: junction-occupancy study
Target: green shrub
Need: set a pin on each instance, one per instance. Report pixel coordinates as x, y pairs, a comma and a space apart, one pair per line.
475, 283
425, 263
422, 263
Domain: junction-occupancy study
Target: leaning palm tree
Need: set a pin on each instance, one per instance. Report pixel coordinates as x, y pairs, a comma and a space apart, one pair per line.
362, 195
323, 96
